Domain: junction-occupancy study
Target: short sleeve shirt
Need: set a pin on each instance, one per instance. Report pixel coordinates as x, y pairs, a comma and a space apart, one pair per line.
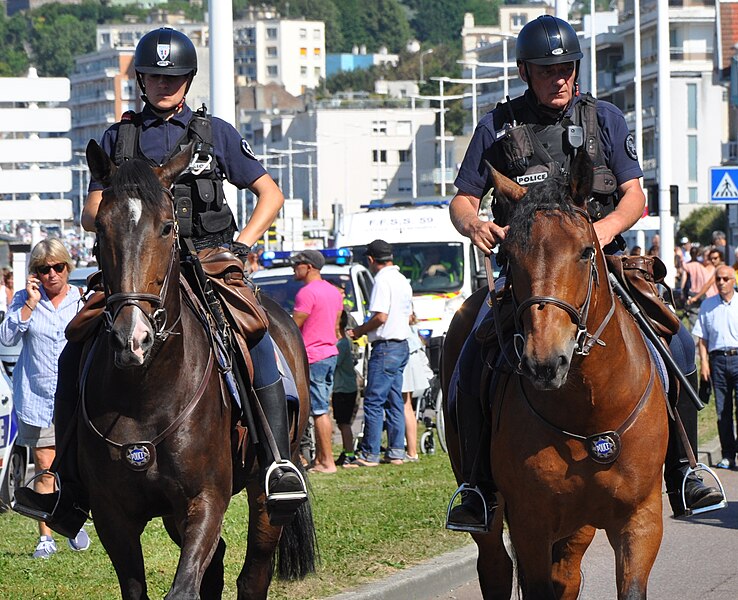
322, 302
393, 296
717, 323
474, 179
158, 140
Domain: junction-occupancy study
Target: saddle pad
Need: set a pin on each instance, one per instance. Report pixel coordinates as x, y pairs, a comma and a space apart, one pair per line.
288, 379
660, 364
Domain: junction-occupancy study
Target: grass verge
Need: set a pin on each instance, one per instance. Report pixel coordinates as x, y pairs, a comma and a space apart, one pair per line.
370, 523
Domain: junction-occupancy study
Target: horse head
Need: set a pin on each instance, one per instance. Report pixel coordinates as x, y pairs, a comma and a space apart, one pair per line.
552, 250
137, 250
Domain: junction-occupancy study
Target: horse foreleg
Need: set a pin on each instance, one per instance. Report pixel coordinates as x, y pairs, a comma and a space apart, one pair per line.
256, 574
636, 545
212, 584
534, 554
494, 565
199, 530
121, 538
566, 571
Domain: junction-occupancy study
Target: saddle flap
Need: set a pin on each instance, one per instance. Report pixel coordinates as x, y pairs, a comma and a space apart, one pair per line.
640, 274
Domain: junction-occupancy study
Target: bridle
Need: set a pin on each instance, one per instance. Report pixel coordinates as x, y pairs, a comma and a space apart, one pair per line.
584, 340
157, 317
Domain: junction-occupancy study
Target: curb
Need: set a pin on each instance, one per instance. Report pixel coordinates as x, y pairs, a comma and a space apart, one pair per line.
710, 449
422, 581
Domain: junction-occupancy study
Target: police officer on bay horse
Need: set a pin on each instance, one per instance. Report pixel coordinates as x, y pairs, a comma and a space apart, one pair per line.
166, 63
527, 139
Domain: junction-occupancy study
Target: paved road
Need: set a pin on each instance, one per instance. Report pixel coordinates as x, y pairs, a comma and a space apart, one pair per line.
698, 559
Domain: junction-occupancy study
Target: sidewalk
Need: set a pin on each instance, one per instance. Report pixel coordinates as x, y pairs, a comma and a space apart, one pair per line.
449, 571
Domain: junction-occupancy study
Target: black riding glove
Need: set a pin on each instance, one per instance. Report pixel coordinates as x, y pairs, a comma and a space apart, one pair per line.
240, 250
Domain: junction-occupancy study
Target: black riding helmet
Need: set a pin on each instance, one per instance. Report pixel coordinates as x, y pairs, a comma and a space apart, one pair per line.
548, 40
165, 51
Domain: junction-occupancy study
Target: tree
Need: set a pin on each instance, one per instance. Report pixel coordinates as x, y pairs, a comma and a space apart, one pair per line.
57, 42
700, 224
13, 36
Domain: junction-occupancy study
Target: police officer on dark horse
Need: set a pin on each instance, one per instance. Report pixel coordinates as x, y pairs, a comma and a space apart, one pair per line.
166, 63
527, 139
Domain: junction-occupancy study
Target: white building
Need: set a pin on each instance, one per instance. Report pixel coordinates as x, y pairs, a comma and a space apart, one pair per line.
350, 153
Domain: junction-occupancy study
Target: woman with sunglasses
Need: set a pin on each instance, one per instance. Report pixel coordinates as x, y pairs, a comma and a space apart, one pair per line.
38, 316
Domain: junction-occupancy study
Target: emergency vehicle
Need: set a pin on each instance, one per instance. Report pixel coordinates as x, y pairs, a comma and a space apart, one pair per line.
13, 458
443, 267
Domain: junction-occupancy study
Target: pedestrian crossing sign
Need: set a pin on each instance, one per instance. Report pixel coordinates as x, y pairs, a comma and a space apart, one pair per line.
724, 184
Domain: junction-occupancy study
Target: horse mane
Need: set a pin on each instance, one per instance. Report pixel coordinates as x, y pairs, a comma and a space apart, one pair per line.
135, 175
550, 194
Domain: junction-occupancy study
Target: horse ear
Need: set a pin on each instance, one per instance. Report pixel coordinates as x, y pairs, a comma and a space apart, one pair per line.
582, 178
168, 173
101, 167
506, 186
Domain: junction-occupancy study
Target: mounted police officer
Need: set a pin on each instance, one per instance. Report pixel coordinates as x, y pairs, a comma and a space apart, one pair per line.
166, 63
530, 138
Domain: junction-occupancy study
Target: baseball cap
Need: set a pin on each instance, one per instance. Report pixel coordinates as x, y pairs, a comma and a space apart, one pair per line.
308, 257
379, 249
684, 240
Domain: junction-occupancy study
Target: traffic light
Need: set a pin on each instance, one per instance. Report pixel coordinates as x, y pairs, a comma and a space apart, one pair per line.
653, 200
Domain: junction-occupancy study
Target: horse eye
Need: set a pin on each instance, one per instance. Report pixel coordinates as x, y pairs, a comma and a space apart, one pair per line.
167, 229
588, 253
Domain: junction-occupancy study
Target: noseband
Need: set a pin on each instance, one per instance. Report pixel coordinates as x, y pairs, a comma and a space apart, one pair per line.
156, 318
584, 340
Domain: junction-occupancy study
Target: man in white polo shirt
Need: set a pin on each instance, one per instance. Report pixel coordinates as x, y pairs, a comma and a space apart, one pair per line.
717, 330
391, 305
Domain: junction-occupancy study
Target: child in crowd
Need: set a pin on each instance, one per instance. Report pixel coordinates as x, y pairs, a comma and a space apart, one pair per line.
345, 391
415, 380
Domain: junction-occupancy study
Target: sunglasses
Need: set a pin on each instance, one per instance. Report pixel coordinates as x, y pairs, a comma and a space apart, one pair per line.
46, 269
723, 278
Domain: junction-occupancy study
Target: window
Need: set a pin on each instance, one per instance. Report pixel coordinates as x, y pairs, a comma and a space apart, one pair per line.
272, 70
379, 187
693, 198
518, 20
379, 156
406, 155
271, 51
692, 157
303, 71
271, 33
692, 106
317, 34
303, 33
379, 127
316, 72
316, 51
404, 184
276, 133
303, 51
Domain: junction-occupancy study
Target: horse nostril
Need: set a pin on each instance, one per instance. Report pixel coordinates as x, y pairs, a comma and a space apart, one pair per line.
117, 340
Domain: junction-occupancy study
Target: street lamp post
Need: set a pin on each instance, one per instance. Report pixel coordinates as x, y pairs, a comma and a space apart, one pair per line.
422, 54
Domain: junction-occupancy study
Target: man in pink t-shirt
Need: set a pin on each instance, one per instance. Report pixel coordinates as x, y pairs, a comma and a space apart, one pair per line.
318, 307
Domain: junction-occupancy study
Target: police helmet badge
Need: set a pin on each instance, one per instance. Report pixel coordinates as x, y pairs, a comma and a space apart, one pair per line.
246, 149
163, 51
630, 147
604, 447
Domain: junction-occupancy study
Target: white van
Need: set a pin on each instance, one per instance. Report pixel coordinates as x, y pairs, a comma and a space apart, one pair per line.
442, 265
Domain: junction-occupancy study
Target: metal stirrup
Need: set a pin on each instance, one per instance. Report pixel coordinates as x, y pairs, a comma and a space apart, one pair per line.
284, 465
454, 526
688, 512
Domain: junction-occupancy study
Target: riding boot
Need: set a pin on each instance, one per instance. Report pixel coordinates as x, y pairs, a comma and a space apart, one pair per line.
66, 509
696, 493
478, 501
283, 482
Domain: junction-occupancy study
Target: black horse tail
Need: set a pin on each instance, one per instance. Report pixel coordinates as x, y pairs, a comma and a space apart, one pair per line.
297, 554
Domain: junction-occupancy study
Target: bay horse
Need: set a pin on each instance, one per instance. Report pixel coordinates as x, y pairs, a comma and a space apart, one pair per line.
152, 375
578, 422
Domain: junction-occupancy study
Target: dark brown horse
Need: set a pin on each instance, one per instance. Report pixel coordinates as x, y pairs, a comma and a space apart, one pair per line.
159, 437
580, 390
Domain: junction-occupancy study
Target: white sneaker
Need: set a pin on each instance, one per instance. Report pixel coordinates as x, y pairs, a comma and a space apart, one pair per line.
46, 547
80, 542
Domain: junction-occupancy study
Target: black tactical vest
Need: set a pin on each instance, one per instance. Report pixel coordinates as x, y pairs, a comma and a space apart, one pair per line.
202, 212
531, 152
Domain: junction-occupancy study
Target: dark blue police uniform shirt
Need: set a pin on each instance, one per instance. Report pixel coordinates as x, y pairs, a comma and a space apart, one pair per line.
474, 178
158, 137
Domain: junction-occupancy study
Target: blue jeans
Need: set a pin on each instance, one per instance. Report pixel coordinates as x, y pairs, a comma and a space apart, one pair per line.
724, 375
265, 363
384, 393
321, 385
